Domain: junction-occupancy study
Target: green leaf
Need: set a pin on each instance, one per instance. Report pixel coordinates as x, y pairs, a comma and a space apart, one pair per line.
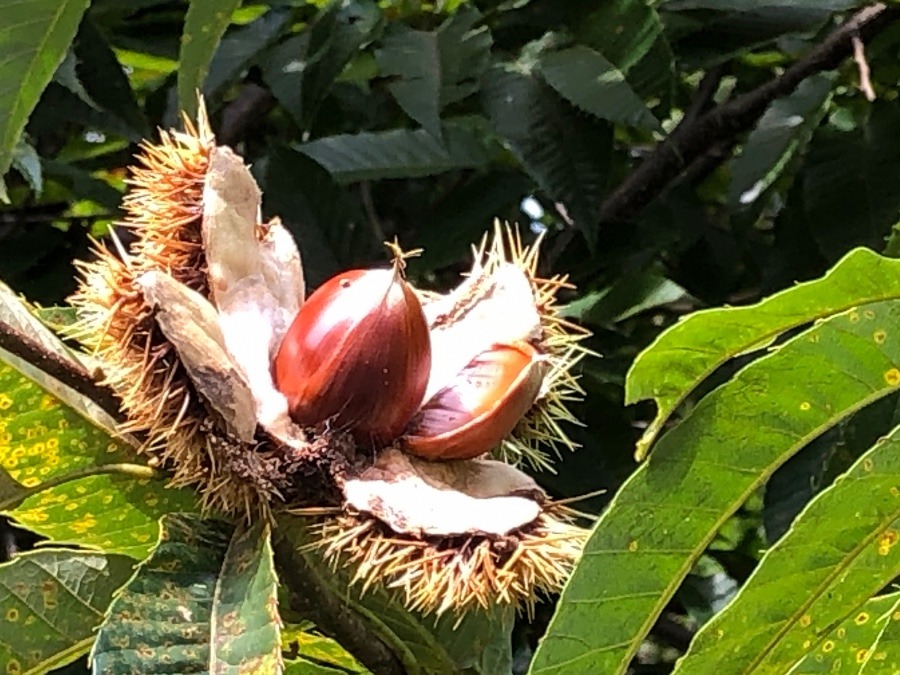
693, 348
413, 59
75, 482
398, 153
565, 152
63, 472
633, 293
630, 35
666, 514
782, 130
34, 38
102, 76
305, 653
51, 602
817, 575
849, 196
590, 81
204, 601
301, 70
815, 467
240, 49
204, 25
25, 160
865, 643
434, 69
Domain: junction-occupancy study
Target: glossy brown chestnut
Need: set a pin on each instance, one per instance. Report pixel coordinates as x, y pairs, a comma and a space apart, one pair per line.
480, 408
357, 355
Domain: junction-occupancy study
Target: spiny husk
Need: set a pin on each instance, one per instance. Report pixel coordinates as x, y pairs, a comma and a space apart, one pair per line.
163, 219
561, 343
461, 573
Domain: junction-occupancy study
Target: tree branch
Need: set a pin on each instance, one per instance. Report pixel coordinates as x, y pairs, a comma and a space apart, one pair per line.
696, 134
65, 371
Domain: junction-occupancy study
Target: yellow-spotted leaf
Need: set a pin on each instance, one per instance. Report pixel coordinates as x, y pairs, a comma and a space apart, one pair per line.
702, 471
203, 602
305, 652
684, 355
51, 602
72, 481
840, 551
860, 644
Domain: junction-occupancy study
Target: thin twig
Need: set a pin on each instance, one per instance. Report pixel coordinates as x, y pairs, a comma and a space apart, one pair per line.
695, 136
65, 371
865, 81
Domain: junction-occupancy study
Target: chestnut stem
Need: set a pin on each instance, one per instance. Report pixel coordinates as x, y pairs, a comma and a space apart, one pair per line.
310, 595
65, 371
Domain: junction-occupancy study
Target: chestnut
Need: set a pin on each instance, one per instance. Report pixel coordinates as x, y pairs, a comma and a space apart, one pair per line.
483, 404
357, 355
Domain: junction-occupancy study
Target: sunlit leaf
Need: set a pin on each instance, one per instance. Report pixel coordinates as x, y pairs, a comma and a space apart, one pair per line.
204, 25
305, 652
689, 351
34, 38
816, 576
667, 513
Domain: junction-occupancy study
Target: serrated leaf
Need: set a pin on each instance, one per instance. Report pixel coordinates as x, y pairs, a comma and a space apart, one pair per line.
566, 153
590, 81
204, 601
630, 35
849, 198
817, 575
25, 160
782, 130
204, 25
51, 602
666, 514
302, 69
240, 48
34, 38
399, 153
413, 59
693, 348
306, 652
434, 69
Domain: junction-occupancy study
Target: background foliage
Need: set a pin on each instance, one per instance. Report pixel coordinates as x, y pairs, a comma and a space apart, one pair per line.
679, 154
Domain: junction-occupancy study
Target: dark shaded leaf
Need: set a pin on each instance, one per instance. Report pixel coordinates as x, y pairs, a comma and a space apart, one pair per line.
51, 601
565, 152
399, 153
587, 79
